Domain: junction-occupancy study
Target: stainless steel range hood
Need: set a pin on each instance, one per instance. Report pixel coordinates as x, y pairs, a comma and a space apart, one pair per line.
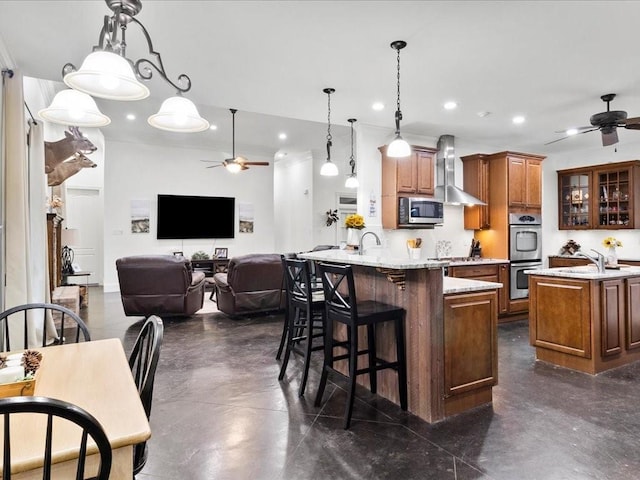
446, 190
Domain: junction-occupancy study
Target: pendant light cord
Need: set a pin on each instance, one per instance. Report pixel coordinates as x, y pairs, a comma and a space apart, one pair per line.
329, 137
352, 161
398, 112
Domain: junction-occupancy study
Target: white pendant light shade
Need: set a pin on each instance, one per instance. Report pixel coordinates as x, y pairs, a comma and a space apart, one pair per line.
352, 182
178, 114
71, 107
398, 148
107, 75
233, 167
329, 169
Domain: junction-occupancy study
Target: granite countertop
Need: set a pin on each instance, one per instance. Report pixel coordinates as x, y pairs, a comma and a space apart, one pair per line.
461, 261
379, 259
451, 285
587, 272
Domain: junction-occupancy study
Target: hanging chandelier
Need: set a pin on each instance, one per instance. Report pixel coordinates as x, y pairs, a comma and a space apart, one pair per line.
108, 73
329, 169
398, 147
352, 179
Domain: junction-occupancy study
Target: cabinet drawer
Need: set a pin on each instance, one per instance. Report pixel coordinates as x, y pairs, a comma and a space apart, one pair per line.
473, 271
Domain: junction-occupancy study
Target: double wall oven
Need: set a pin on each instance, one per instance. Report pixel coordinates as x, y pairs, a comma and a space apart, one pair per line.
525, 250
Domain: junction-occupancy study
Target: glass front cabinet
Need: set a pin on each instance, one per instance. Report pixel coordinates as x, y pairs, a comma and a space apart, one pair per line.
599, 197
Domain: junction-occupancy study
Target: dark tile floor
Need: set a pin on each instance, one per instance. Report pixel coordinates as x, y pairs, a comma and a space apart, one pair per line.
219, 412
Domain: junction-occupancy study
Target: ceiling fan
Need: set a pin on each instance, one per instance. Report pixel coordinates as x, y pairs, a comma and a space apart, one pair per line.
607, 122
235, 164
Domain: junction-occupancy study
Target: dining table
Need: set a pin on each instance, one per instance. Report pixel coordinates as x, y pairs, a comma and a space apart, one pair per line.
95, 376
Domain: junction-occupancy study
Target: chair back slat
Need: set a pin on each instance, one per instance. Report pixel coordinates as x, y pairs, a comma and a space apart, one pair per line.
339, 290
41, 324
55, 408
298, 280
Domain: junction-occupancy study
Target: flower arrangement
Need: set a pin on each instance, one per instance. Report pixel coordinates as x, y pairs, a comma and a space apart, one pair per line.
611, 242
200, 255
332, 217
354, 220
55, 202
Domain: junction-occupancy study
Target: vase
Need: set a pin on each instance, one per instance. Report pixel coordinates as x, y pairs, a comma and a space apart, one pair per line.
353, 237
611, 259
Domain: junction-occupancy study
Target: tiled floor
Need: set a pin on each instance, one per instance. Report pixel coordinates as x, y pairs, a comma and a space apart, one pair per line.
220, 413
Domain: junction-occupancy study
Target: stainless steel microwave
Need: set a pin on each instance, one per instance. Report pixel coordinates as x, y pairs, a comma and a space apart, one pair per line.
415, 211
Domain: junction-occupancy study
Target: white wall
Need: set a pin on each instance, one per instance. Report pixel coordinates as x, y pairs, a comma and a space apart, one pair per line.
137, 171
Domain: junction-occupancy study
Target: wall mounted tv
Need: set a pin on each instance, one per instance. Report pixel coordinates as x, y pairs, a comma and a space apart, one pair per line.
182, 217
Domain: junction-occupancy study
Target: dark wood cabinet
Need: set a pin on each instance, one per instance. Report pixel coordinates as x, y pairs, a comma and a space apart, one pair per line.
498, 272
525, 181
470, 342
476, 183
410, 176
599, 197
611, 316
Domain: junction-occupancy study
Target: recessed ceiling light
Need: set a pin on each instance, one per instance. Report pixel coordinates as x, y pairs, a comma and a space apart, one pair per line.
572, 131
378, 106
450, 105
213, 127
131, 116
518, 119
282, 136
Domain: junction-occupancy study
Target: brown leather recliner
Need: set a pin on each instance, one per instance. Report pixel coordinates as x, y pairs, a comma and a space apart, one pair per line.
162, 285
253, 284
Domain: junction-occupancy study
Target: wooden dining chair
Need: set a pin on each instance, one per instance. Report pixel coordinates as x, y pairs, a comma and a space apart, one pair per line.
34, 317
54, 408
143, 361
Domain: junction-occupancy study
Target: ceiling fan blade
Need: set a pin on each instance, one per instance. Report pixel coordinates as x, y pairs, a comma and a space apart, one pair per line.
579, 129
259, 164
609, 138
214, 166
632, 121
591, 129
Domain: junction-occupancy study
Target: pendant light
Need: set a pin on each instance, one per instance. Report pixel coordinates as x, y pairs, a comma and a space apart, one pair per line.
352, 179
398, 147
71, 107
108, 73
329, 169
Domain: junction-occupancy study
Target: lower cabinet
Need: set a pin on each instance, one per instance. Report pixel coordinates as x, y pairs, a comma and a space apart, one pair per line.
470, 347
495, 272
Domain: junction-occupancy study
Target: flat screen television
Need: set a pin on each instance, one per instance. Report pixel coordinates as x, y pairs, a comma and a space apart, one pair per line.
182, 217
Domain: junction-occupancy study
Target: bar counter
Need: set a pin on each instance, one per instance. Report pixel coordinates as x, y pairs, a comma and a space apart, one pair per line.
450, 330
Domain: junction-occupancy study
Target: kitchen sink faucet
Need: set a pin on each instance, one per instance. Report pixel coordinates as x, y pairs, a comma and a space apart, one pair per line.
598, 260
360, 249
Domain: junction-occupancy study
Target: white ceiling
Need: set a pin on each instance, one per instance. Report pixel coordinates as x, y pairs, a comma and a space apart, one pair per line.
547, 60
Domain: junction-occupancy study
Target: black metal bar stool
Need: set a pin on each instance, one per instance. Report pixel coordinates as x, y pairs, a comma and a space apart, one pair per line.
303, 317
341, 306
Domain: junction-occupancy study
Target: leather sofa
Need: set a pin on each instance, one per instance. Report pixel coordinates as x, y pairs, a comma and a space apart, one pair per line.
163, 285
253, 284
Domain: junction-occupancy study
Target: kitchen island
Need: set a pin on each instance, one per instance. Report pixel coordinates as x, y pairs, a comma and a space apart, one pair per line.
450, 331
585, 320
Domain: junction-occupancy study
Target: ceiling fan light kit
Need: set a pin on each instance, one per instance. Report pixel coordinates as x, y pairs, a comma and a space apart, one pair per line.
107, 73
398, 147
329, 169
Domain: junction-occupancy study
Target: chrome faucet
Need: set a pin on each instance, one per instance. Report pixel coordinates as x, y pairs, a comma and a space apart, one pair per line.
598, 260
360, 249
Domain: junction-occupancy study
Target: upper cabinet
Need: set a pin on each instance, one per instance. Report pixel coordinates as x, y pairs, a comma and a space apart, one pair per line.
525, 181
599, 196
409, 176
476, 183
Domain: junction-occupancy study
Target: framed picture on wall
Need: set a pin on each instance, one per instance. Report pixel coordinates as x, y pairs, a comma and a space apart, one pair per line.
178, 254
220, 253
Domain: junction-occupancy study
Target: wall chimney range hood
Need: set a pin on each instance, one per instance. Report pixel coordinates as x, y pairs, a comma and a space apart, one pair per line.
446, 190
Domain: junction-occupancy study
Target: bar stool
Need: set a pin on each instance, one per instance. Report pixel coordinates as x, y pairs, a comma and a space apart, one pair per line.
303, 317
342, 306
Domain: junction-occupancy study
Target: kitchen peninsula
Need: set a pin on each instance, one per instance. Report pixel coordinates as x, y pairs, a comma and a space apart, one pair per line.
450, 330
585, 320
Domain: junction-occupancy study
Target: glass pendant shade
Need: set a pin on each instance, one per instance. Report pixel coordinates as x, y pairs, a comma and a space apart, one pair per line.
398, 148
329, 169
178, 114
71, 107
352, 182
233, 167
107, 75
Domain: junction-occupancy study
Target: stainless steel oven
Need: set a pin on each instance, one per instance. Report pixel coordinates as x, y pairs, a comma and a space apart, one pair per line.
525, 237
519, 285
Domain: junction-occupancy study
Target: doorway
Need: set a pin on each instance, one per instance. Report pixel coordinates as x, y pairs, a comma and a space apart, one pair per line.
84, 212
